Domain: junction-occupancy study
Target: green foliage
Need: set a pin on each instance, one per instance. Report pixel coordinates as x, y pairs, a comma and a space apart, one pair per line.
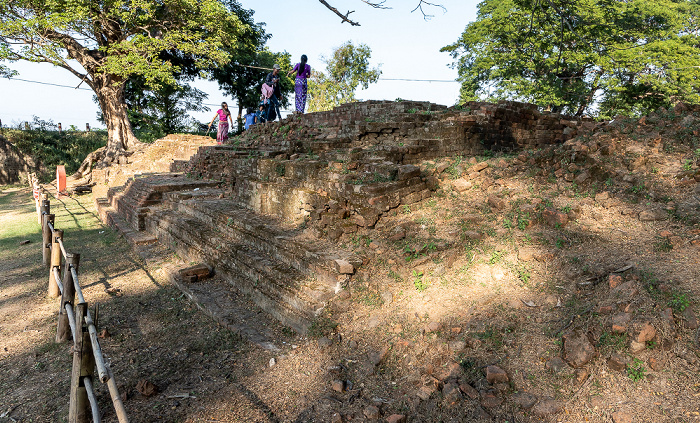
636, 370
51, 148
679, 302
418, 281
346, 69
632, 56
106, 43
609, 341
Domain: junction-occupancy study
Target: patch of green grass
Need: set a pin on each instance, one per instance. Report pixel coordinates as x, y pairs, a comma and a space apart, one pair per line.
663, 245
636, 370
524, 274
496, 257
679, 302
610, 341
321, 326
364, 295
418, 281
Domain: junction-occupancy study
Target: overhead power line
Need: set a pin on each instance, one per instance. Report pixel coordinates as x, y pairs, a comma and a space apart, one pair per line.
48, 83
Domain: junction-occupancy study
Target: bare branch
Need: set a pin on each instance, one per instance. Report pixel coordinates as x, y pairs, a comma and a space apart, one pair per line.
376, 5
425, 15
337, 12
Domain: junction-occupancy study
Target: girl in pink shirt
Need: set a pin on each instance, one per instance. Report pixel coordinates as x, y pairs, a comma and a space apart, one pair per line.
224, 116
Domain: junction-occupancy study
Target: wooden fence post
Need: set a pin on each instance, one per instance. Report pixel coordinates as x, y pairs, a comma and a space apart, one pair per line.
56, 256
83, 365
46, 238
63, 332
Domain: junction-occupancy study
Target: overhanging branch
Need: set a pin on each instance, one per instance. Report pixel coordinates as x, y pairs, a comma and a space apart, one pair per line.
337, 12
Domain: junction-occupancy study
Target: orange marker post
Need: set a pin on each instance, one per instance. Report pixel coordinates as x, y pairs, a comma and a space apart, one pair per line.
61, 181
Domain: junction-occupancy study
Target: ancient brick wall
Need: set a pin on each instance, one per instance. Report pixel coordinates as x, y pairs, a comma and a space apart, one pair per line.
14, 166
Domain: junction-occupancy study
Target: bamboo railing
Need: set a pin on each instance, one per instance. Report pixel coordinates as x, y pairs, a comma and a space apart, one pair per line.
74, 320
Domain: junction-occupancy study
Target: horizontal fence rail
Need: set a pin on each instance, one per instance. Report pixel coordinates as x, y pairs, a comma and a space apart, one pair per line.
74, 320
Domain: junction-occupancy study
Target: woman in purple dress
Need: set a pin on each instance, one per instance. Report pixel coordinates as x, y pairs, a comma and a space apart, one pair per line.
303, 72
224, 116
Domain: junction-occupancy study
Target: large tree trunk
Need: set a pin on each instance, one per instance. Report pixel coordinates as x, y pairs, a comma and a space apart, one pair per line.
121, 138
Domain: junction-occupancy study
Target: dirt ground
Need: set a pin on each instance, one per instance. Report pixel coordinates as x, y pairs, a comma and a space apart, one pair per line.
523, 270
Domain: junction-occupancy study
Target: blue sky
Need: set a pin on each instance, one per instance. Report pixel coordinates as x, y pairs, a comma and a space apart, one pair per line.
406, 46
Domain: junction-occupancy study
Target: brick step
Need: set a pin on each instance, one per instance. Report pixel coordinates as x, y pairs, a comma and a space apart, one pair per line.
279, 289
111, 218
236, 224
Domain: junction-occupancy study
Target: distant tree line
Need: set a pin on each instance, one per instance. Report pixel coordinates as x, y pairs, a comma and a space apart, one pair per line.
600, 57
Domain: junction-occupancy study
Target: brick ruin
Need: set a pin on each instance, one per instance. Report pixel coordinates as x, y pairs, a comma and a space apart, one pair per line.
14, 166
266, 211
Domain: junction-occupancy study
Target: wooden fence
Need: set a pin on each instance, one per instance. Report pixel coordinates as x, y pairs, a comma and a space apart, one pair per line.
74, 320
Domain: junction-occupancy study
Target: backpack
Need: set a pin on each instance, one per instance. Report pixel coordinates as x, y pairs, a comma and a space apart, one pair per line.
267, 91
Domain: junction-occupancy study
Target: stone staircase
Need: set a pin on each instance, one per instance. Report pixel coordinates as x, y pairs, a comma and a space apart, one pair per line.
289, 275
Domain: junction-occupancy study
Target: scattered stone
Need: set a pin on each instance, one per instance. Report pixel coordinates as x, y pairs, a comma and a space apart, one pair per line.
653, 215
602, 196
461, 185
667, 318
621, 417
489, 399
479, 167
605, 309
25, 242
376, 357
656, 365
146, 388
555, 218
433, 327
426, 391
496, 202
272, 362
578, 349
396, 418
104, 334
495, 374
617, 362
646, 333
620, 322
324, 342
457, 346
451, 393
338, 385
636, 347
371, 412
547, 407
582, 177
451, 371
344, 267
581, 375
336, 418
614, 280
525, 400
691, 321
555, 365
387, 297
441, 167
469, 390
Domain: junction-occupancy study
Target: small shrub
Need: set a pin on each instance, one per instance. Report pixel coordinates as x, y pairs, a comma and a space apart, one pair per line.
418, 281
636, 370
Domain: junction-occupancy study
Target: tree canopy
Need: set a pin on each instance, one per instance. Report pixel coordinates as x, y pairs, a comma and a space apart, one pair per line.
104, 43
346, 69
582, 56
